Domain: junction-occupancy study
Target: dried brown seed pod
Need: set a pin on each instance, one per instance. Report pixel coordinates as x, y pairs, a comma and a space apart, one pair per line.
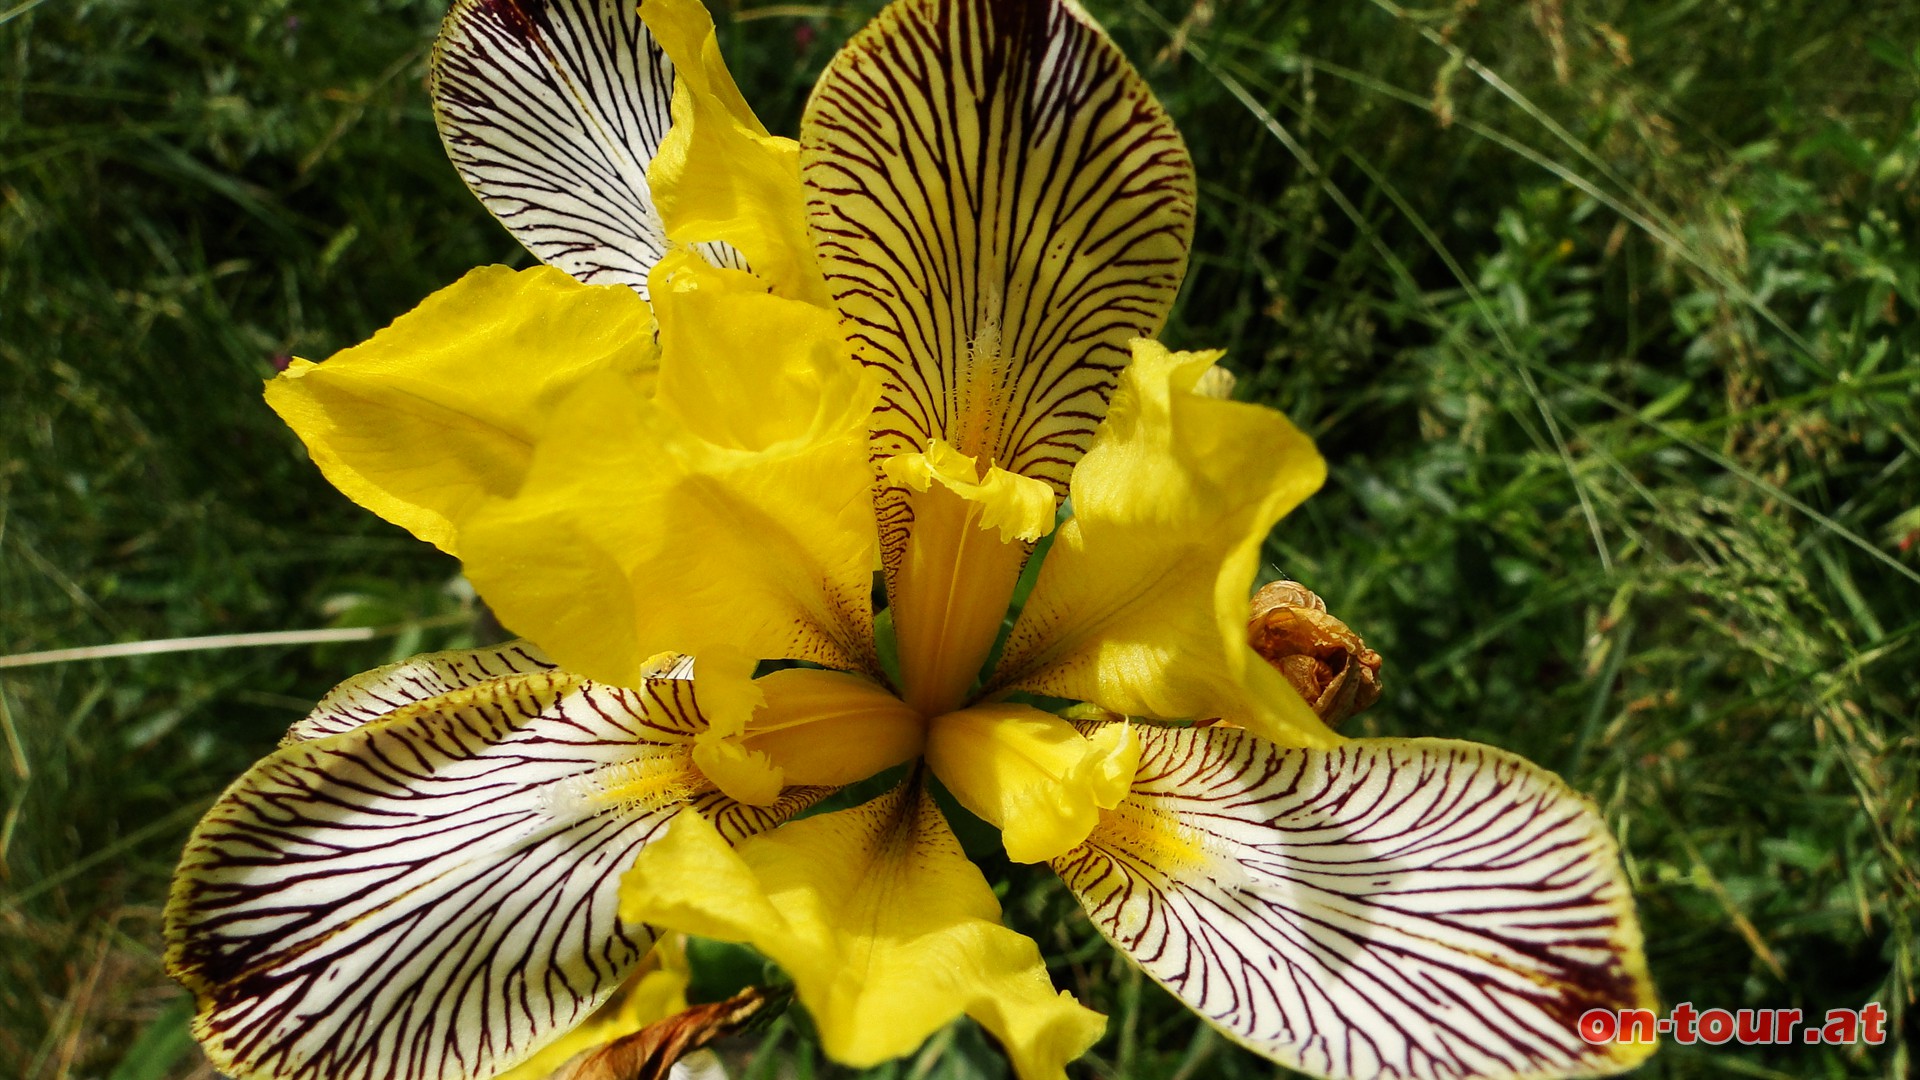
1324, 660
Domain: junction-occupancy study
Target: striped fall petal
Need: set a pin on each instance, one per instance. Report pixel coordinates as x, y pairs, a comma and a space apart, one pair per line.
377, 694
1388, 910
432, 893
551, 111
1000, 206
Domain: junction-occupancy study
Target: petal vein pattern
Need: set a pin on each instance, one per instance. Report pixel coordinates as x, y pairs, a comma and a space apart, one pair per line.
999, 205
551, 110
1390, 909
434, 894
376, 694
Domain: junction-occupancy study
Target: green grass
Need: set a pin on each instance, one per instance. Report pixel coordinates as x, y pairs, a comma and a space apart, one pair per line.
1604, 315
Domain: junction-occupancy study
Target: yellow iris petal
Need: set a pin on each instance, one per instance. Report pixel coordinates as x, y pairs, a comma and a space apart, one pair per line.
741, 774
1141, 607
439, 411
747, 371
831, 728
888, 931
951, 587
718, 175
1032, 774
728, 512
1018, 507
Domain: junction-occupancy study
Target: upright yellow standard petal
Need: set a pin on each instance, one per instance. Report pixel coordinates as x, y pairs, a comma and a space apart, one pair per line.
744, 370
718, 177
1141, 606
950, 589
1000, 206
439, 411
728, 513
1032, 774
888, 931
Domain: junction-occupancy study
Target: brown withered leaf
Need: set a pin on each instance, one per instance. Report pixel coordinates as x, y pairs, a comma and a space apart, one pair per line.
650, 1053
1324, 660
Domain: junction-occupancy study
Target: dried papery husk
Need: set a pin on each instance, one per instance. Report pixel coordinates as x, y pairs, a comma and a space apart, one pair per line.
652, 1052
1322, 657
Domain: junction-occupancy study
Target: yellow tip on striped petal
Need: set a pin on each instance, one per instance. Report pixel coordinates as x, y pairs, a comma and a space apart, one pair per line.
952, 584
718, 177
727, 698
1032, 774
728, 511
1020, 507
1141, 605
439, 411
1113, 757
832, 728
888, 931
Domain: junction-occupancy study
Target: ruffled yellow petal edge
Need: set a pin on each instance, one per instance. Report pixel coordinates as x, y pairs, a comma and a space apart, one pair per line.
888, 931
1141, 607
1032, 774
973, 527
439, 412
718, 176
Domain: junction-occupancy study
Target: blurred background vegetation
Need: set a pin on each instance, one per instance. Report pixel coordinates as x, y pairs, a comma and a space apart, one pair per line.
1604, 313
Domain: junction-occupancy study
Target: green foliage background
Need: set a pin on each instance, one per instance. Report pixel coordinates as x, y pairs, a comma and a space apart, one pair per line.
1603, 313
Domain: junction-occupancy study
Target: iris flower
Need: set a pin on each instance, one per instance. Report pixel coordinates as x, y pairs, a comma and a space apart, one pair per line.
757, 384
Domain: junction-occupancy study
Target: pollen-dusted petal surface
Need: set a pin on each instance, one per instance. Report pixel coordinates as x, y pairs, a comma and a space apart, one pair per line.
1406, 909
888, 931
1000, 206
1141, 606
551, 110
729, 510
434, 895
439, 411
377, 694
